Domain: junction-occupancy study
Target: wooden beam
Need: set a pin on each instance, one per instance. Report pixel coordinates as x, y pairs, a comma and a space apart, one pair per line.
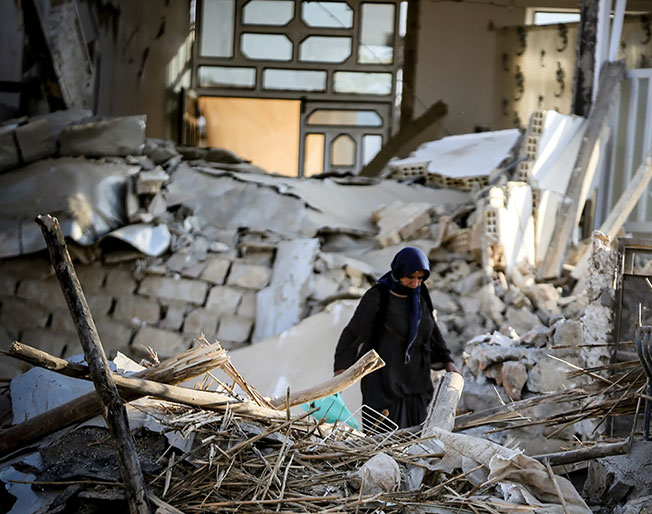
113, 410
585, 164
441, 413
596, 451
585, 58
410, 47
405, 140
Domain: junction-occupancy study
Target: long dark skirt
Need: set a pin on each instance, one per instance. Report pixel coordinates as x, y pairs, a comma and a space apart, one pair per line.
408, 411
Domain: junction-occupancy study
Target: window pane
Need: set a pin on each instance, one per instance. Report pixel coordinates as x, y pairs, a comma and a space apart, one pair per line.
371, 145
268, 12
325, 49
294, 80
336, 15
313, 161
272, 47
217, 28
343, 151
377, 34
226, 76
359, 82
548, 17
345, 117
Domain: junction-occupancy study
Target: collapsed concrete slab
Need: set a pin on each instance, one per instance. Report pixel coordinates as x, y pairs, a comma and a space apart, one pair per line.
112, 137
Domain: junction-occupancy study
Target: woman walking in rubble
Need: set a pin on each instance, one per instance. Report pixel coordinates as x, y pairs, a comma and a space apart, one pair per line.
394, 317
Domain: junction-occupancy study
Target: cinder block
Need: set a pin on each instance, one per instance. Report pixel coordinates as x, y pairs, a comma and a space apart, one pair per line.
236, 329
119, 282
91, 278
44, 292
223, 300
200, 321
134, 310
249, 276
164, 343
20, 314
49, 341
181, 290
99, 304
247, 307
216, 270
113, 334
173, 318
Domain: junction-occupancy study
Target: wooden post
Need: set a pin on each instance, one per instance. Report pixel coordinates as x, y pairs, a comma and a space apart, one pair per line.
113, 409
585, 164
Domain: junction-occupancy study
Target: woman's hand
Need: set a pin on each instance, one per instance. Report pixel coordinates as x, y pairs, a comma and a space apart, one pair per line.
450, 367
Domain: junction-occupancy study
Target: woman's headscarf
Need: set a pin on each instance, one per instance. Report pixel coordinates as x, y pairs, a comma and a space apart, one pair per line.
406, 262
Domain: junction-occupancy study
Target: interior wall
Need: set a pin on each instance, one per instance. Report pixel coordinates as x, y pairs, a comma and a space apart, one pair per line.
264, 131
144, 52
456, 60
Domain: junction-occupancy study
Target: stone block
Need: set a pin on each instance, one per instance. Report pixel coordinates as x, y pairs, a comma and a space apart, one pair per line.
173, 318
91, 278
175, 289
44, 292
62, 323
223, 300
262, 258
135, 309
49, 341
514, 377
247, 307
249, 276
216, 270
399, 221
164, 343
236, 329
200, 321
20, 314
549, 375
33, 268
119, 282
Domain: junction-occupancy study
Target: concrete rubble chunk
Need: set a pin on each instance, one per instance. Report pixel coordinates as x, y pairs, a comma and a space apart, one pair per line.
168, 288
159, 150
398, 221
151, 182
522, 320
323, 287
380, 474
549, 375
514, 377
567, 332
280, 305
200, 321
38, 138
442, 301
164, 343
471, 282
223, 300
235, 329
539, 336
8, 150
249, 276
111, 137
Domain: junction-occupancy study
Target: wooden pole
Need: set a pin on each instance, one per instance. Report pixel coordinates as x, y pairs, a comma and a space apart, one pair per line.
113, 409
585, 58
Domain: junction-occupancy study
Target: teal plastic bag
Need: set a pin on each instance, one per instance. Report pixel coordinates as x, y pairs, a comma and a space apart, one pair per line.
332, 409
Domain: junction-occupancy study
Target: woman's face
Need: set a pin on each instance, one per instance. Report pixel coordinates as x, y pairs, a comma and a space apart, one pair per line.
413, 280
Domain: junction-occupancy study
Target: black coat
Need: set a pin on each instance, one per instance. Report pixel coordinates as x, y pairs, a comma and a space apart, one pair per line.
381, 322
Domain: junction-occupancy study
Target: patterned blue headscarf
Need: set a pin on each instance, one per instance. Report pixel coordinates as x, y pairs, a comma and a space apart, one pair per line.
406, 262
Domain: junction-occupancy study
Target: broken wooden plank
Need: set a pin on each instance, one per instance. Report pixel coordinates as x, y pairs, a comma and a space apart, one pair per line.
596, 451
113, 410
366, 364
585, 165
405, 140
175, 370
